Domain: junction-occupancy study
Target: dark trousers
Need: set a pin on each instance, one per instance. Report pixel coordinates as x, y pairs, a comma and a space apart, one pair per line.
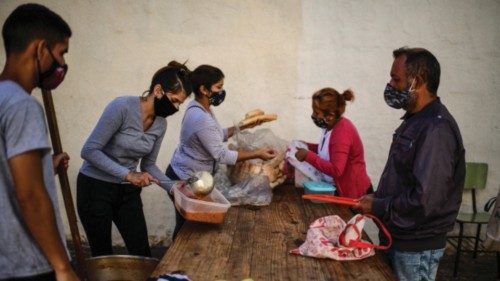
179, 220
100, 203
42, 277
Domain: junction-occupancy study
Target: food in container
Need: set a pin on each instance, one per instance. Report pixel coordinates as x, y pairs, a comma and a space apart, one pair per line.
210, 209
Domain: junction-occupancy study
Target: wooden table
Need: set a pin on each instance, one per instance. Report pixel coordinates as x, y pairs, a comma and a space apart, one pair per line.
255, 242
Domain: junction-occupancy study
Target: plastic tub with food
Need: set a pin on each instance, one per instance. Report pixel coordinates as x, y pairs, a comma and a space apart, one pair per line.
212, 208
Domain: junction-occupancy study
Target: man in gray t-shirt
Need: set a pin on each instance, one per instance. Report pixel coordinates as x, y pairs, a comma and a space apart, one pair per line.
22, 125
31, 233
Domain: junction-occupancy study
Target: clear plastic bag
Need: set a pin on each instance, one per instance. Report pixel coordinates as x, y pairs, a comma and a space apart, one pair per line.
273, 169
251, 182
259, 138
254, 190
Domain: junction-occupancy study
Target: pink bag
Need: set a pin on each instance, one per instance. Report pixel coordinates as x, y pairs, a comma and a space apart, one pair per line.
330, 237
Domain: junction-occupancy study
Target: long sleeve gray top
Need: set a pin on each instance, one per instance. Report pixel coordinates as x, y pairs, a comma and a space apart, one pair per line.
201, 145
118, 143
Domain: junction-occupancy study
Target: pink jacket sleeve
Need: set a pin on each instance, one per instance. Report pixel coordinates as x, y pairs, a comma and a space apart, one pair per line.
312, 146
338, 147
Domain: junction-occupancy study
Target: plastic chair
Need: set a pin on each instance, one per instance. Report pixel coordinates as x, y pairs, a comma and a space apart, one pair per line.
475, 179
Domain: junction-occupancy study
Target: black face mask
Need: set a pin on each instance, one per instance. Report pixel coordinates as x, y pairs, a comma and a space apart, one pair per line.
217, 97
164, 107
320, 122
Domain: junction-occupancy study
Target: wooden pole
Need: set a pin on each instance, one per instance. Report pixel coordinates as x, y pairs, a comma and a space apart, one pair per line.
64, 182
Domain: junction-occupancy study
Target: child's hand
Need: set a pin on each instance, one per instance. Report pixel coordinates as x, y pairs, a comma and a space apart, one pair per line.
301, 154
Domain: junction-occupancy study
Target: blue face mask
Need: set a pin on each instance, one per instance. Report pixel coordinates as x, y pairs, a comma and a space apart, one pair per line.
217, 97
398, 99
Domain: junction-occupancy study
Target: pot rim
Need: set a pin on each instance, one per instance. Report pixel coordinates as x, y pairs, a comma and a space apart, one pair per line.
130, 257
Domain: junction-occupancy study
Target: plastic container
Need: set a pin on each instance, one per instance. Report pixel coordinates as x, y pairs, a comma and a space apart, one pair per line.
212, 209
318, 187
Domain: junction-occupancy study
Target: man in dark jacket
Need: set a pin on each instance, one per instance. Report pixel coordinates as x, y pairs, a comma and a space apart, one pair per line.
420, 190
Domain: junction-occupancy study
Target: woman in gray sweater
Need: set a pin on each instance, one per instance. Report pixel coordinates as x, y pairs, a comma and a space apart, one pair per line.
129, 131
201, 146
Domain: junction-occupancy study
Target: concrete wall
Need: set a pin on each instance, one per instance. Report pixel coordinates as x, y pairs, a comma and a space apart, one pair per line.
275, 54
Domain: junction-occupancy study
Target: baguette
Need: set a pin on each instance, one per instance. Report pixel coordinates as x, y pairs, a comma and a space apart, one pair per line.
261, 118
254, 113
278, 181
275, 162
282, 165
269, 172
255, 169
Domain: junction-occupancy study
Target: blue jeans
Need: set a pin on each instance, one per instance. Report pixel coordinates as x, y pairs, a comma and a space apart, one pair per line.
415, 266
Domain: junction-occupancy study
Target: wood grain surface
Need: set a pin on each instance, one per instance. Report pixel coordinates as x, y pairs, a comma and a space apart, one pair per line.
254, 242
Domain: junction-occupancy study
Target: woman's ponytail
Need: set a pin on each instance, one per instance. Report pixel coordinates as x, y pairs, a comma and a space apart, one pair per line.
348, 95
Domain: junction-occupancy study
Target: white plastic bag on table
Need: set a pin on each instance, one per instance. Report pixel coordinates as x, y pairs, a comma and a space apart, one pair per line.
303, 170
254, 190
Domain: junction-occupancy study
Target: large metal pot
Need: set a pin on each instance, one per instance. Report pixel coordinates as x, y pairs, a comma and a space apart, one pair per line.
120, 268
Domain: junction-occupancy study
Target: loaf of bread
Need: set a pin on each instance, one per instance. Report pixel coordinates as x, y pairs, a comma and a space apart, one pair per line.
273, 169
259, 118
242, 170
279, 181
254, 113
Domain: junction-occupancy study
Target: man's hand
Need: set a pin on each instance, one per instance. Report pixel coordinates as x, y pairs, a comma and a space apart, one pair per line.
364, 205
301, 154
60, 159
141, 179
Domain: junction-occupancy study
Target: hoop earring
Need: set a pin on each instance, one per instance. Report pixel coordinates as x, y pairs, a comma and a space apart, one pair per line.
144, 95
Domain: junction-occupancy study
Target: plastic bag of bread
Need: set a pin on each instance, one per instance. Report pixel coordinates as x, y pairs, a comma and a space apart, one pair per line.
253, 190
250, 182
273, 169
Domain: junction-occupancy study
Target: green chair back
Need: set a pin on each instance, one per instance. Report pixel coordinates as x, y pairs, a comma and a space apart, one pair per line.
475, 175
